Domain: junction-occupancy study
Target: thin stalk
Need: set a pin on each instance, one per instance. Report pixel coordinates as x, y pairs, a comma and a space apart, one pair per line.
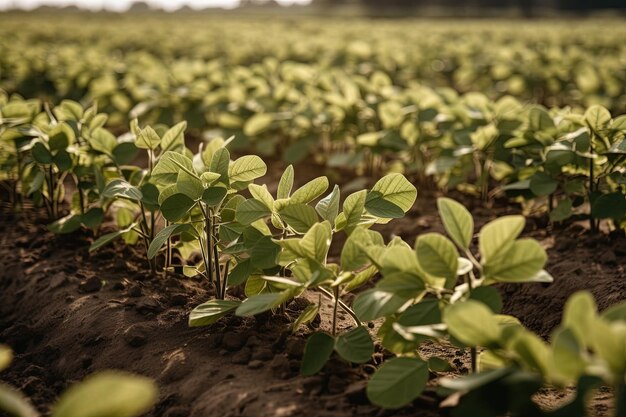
335, 306
343, 305
168, 250
147, 238
592, 222
226, 268
473, 350
208, 236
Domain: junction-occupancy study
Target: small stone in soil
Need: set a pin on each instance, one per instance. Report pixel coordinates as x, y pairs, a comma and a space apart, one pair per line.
242, 357
262, 354
119, 286
92, 284
134, 291
178, 300
137, 334
255, 364
295, 347
280, 366
234, 341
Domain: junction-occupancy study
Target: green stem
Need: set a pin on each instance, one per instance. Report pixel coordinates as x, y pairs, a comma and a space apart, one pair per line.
343, 305
335, 306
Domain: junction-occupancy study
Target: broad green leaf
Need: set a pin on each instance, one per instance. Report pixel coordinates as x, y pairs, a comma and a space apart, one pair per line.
472, 323
148, 139
108, 238
299, 216
176, 207
285, 184
102, 140
121, 188
457, 221
307, 316
316, 241
355, 346
169, 165
108, 393
376, 205
562, 211
541, 184
258, 124
165, 234
261, 193
174, 138
496, 237
567, 354
124, 153
211, 311
259, 303
353, 208
396, 189
328, 207
319, 347
247, 168
309, 191
438, 257
62, 160
213, 196
61, 137
41, 154
353, 257
250, 211
189, 185
580, 314
398, 382
372, 304
609, 206
220, 164
489, 296
240, 273
92, 218
520, 263
597, 118
67, 224
14, 403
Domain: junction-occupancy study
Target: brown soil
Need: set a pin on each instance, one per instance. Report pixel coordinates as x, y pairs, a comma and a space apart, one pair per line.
68, 313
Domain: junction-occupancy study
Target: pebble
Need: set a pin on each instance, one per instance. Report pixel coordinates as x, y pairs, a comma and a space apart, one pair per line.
242, 357
134, 291
234, 341
89, 285
280, 366
137, 334
295, 347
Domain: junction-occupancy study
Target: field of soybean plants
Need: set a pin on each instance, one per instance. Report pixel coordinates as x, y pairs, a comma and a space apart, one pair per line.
214, 214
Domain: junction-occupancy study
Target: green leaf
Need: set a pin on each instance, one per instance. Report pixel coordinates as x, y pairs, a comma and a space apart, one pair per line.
213, 196
211, 311
472, 323
189, 185
41, 154
124, 153
15, 404
259, 303
355, 346
299, 216
309, 191
373, 303
67, 224
438, 257
328, 207
525, 259
396, 189
353, 208
307, 316
250, 211
353, 257
597, 118
285, 184
165, 234
92, 218
457, 221
377, 206
247, 168
108, 393
62, 160
319, 347
148, 139
316, 241
174, 138
108, 238
102, 140
398, 382
562, 211
489, 296
169, 165
609, 206
240, 273
258, 124
260, 192
176, 207
220, 164
496, 238
121, 188
541, 184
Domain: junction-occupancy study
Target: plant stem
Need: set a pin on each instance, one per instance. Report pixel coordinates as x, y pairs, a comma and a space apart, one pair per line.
473, 350
168, 250
343, 305
147, 236
336, 305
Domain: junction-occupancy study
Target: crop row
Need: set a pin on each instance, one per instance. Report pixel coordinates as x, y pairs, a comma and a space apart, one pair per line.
276, 246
